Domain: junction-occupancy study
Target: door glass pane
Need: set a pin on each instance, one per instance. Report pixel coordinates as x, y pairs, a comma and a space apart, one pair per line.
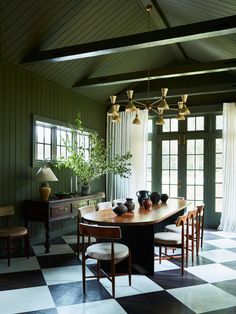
191, 123
218, 160
173, 162
190, 147
165, 162
165, 147
150, 126
173, 177
190, 177
190, 161
174, 125
219, 145
165, 177
190, 192
173, 190
199, 123
165, 189
199, 193
219, 122
199, 161
199, 147
199, 177
174, 147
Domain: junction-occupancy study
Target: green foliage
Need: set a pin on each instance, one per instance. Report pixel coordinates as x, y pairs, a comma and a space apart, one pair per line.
98, 163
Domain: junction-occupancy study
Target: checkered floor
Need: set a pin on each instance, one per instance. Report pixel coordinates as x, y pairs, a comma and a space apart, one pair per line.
51, 283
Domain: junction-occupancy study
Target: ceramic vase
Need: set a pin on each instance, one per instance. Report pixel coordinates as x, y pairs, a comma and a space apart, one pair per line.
142, 195
164, 198
147, 203
120, 209
129, 204
155, 198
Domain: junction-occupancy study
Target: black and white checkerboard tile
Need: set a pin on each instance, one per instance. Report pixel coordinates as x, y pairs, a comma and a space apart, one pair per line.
52, 283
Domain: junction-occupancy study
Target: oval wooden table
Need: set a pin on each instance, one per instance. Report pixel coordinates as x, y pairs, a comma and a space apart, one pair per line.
138, 229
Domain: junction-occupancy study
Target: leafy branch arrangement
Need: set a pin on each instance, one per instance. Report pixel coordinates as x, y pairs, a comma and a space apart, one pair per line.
98, 163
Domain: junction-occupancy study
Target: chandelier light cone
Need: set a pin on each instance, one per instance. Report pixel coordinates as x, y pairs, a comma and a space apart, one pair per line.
163, 104
184, 110
179, 116
116, 116
130, 106
136, 120
160, 120
112, 109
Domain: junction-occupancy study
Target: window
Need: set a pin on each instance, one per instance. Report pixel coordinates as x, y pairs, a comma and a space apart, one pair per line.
51, 140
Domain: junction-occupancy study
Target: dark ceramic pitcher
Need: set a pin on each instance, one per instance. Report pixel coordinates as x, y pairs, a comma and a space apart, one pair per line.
142, 195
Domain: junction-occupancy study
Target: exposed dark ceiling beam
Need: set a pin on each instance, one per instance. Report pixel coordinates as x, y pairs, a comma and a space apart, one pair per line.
206, 89
166, 72
195, 31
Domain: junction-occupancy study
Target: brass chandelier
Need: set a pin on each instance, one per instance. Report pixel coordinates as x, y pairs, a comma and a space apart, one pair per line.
158, 106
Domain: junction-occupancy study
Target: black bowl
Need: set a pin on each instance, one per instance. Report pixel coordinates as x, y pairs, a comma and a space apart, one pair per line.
62, 195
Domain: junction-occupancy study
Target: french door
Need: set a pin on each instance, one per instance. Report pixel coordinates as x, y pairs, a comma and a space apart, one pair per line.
183, 165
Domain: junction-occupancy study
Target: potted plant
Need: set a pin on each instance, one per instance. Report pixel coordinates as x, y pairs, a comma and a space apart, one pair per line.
93, 162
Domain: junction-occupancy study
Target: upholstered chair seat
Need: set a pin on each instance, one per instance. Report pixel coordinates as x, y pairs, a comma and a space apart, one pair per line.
102, 251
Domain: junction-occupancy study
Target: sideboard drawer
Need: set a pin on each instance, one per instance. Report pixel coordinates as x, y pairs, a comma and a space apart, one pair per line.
77, 205
60, 211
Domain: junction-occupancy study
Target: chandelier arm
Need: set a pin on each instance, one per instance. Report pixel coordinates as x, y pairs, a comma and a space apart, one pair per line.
154, 110
156, 101
138, 102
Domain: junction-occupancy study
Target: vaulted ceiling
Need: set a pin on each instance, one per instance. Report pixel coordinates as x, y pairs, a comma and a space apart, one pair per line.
100, 48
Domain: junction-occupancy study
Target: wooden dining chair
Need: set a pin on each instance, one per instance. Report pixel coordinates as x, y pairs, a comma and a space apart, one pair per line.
9, 233
104, 251
172, 240
189, 231
199, 225
81, 212
104, 205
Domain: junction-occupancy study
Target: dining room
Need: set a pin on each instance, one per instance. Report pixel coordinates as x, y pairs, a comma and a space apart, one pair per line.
118, 102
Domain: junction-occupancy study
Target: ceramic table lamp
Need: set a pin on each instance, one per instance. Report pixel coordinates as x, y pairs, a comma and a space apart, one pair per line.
45, 175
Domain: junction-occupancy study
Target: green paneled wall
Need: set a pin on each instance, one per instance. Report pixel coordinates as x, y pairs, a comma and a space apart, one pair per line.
23, 94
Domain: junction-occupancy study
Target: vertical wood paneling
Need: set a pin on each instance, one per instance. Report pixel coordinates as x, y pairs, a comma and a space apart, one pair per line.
22, 95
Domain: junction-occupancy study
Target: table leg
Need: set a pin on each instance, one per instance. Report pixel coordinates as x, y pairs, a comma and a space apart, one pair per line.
47, 236
140, 240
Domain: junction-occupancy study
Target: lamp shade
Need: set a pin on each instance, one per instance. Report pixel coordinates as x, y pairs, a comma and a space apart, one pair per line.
45, 174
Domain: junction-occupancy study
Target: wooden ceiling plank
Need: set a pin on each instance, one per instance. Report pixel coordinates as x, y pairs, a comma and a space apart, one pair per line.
173, 35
